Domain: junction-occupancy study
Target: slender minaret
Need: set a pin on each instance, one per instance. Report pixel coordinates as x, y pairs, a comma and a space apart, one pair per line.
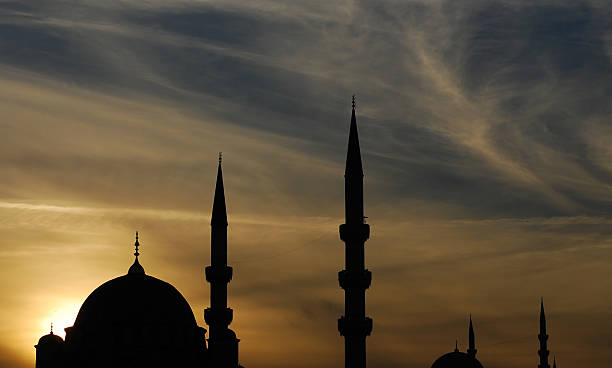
543, 337
222, 342
472, 349
355, 279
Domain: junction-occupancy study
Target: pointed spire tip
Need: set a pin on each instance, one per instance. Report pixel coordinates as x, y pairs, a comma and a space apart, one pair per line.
219, 211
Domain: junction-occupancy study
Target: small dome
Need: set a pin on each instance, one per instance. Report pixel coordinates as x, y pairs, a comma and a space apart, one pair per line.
456, 359
50, 340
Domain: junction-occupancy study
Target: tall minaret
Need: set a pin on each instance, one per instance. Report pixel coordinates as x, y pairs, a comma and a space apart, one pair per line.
222, 342
472, 349
543, 337
355, 279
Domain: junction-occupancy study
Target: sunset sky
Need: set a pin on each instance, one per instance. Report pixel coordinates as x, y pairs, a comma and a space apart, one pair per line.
485, 131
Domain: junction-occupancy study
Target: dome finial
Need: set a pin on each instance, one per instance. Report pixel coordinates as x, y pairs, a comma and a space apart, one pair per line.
136, 268
456, 345
136, 245
51, 328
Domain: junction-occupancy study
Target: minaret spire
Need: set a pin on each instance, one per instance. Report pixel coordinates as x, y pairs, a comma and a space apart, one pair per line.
354, 279
222, 342
472, 349
543, 337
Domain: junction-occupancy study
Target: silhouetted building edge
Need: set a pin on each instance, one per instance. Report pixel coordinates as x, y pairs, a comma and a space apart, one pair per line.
354, 279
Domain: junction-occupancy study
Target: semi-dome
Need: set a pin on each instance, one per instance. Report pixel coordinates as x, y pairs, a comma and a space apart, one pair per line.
456, 359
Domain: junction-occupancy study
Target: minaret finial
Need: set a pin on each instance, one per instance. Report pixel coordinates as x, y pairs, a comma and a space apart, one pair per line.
220, 157
353, 102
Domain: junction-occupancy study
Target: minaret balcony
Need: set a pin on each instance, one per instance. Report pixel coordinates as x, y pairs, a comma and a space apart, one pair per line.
218, 274
215, 316
354, 232
355, 279
354, 326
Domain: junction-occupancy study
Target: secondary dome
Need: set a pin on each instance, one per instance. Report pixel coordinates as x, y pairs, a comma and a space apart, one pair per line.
456, 359
50, 340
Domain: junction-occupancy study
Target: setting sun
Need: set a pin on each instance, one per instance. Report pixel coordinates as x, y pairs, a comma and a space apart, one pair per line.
61, 314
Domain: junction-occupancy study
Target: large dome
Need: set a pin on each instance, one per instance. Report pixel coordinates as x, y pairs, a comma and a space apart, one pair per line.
134, 299
136, 320
456, 359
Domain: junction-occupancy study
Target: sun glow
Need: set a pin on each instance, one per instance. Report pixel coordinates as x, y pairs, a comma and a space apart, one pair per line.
62, 316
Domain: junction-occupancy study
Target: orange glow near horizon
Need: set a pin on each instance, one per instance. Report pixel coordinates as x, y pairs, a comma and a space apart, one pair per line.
62, 314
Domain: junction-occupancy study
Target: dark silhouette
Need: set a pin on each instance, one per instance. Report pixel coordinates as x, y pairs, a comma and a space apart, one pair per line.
222, 342
50, 351
138, 321
458, 359
134, 320
472, 349
543, 337
355, 279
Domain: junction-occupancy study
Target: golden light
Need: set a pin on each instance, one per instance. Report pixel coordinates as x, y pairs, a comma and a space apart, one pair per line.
61, 316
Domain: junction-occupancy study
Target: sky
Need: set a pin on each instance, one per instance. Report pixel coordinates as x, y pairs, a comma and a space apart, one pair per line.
484, 129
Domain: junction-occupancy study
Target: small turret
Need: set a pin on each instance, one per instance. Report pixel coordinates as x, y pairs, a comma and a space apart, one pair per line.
50, 351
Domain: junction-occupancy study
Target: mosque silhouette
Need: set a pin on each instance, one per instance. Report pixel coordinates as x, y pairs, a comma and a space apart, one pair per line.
138, 321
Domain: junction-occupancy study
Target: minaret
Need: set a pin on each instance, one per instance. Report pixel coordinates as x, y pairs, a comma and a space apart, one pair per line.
222, 342
354, 279
472, 349
543, 337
